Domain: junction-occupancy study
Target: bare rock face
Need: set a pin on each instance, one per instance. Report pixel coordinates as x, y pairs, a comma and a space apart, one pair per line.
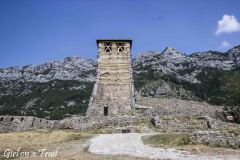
171, 53
71, 68
186, 67
234, 55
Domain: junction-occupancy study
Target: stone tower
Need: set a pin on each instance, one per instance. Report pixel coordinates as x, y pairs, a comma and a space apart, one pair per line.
113, 92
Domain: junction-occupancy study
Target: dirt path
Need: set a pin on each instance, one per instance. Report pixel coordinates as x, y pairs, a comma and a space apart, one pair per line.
132, 145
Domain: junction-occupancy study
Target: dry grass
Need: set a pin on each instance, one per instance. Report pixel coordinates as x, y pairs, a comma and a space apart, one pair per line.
32, 141
39, 138
182, 142
167, 140
72, 145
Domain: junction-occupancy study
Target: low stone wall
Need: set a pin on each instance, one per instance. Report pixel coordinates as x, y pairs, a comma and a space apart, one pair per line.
81, 123
218, 124
23, 123
84, 123
191, 122
177, 122
216, 138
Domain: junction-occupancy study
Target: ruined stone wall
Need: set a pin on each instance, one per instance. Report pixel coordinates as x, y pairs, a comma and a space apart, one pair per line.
81, 123
113, 92
216, 138
192, 122
24, 123
218, 124
177, 122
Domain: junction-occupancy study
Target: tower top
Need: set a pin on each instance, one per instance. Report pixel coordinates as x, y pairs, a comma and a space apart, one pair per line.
114, 40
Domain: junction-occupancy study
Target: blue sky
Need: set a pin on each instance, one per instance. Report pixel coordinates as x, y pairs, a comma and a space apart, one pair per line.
37, 31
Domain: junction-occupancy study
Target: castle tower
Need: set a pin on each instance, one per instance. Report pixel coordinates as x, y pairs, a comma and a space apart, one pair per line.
113, 92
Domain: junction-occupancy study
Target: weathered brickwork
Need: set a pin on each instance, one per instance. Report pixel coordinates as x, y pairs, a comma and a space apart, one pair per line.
113, 92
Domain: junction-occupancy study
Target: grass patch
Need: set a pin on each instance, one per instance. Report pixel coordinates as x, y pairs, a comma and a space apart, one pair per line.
183, 142
163, 140
33, 140
143, 122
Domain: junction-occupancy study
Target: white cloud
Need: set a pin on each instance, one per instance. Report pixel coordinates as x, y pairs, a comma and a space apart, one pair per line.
225, 44
228, 24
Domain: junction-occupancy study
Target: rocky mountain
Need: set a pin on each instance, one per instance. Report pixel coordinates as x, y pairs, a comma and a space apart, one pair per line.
187, 67
52, 90
175, 74
57, 89
71, 68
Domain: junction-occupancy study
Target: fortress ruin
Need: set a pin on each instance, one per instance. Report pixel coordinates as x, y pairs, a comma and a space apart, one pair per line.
113, 92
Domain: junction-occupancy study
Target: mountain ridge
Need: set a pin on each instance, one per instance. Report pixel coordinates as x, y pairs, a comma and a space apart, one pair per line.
57, 89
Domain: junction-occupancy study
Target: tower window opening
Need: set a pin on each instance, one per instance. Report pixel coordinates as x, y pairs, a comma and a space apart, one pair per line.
120, 47
108, 47
106, 111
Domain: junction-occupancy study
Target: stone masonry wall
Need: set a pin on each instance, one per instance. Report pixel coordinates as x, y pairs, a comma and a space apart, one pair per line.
24, 123
179, 123
113, 92
81, 123
216, 138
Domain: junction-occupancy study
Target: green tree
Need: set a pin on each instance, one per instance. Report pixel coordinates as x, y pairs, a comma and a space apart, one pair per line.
231, 87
